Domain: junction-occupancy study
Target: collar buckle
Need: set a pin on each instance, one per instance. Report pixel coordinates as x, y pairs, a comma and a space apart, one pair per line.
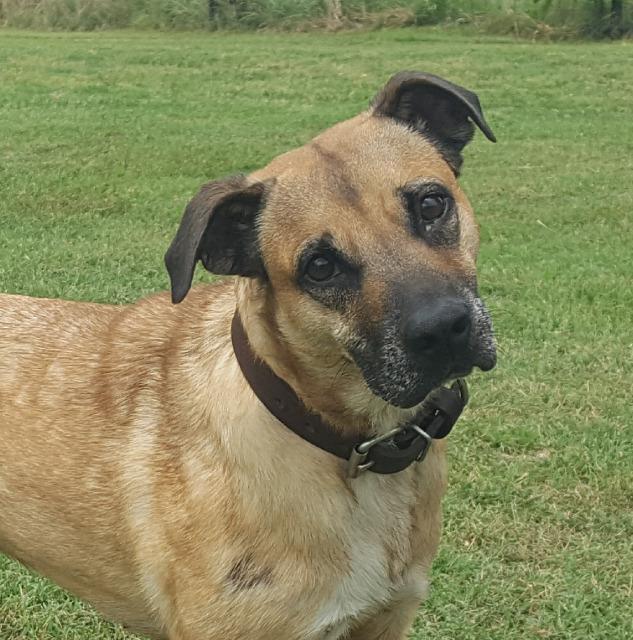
421, 432
400, 447
357, 462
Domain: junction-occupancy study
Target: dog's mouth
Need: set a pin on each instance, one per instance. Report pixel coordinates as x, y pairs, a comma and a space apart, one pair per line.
409, 389
404, 378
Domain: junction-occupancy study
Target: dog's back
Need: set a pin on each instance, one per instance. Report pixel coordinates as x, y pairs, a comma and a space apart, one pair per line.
59, 443
49, 364
39, 338
78, 383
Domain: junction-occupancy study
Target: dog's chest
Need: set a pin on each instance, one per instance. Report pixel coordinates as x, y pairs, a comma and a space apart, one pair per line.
378, 552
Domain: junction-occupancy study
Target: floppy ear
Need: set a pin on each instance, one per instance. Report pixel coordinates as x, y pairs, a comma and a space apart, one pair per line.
436, 107
219, 229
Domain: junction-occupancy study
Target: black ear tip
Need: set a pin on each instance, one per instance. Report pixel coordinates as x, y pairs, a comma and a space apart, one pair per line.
477, 117
180, 281
177, 296
179, 290
487, 131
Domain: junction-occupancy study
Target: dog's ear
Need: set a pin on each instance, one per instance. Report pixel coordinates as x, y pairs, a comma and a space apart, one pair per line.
440, 109
219, 228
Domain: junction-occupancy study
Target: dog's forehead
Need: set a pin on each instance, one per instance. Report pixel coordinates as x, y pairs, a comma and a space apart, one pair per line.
378, 151
368, 153
349, 175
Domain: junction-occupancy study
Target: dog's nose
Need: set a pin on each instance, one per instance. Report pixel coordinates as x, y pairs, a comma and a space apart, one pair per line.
439, 326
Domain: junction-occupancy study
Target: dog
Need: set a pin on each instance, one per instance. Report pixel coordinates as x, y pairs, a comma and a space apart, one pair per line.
152, 459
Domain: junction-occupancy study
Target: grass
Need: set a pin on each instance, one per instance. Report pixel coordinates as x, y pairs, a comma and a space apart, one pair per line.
103, 137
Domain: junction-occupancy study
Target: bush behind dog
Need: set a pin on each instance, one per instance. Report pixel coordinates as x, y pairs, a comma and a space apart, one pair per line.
542, 19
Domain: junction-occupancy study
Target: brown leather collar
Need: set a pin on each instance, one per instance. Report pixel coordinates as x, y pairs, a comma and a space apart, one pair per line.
385, 454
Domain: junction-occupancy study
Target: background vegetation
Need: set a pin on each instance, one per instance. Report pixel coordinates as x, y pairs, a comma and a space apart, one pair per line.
530, 18
105, 136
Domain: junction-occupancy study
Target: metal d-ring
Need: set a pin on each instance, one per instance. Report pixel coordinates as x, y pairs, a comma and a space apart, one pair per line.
420, 431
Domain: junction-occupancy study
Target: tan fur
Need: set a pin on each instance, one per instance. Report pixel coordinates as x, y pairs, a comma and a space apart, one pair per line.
139, 471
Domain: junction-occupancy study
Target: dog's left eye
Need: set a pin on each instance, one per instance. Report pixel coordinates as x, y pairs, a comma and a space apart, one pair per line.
321, 268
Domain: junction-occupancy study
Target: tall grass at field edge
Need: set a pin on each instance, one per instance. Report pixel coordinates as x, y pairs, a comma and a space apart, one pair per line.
538, 19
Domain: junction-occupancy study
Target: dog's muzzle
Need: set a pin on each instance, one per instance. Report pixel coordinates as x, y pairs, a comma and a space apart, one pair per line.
426, 340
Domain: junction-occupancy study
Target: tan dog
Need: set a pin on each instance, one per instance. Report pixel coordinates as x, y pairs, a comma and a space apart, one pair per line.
139, 470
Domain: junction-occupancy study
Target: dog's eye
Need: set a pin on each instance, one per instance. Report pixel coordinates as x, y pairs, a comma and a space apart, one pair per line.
321, 268
432, 207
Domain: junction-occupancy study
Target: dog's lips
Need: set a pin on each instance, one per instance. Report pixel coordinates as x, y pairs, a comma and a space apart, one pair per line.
412, 399
411, 385
462, 373
486, 359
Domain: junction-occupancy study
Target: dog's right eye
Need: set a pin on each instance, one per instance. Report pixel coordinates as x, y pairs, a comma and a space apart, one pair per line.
432, 207
326, 274
321, 268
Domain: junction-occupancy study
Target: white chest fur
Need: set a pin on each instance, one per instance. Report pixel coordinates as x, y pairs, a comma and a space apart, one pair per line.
379, 520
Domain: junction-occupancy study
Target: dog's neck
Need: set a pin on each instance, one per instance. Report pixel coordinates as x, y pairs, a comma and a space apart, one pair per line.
384, 454
335, 391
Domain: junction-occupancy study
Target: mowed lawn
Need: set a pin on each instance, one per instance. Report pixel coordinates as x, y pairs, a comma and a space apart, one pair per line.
104, 137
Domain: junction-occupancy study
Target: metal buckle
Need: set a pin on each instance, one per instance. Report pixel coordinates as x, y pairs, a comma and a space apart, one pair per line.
428, 439
356, 463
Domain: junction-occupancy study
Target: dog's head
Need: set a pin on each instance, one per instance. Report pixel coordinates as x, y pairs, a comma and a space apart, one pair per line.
361, 245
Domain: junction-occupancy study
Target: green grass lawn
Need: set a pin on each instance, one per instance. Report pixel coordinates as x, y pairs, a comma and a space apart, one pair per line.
104, 137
